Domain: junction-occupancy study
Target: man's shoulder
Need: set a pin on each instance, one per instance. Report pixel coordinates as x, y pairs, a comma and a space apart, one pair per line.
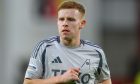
50, 40
91, 44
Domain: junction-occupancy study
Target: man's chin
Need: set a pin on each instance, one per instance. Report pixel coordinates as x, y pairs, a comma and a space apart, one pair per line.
66, 37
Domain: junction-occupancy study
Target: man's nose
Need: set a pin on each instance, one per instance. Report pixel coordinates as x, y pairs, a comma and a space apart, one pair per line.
65, 24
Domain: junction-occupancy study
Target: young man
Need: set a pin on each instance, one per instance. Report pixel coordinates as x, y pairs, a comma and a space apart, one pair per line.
67, 59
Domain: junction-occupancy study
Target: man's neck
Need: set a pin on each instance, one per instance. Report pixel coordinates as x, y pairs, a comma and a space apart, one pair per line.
70, 42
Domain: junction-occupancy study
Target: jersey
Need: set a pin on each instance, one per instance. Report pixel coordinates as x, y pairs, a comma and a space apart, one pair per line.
51, 58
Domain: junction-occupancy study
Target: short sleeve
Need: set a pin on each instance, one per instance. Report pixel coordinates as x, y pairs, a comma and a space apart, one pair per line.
35, 67
104, 72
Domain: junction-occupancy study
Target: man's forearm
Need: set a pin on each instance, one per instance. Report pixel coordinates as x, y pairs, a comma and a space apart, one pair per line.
107, 81
70, 75
52, 80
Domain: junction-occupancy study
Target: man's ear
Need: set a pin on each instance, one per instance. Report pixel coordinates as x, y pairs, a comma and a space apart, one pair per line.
83, 23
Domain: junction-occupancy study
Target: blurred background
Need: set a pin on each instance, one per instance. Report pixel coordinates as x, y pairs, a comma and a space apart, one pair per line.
112, 24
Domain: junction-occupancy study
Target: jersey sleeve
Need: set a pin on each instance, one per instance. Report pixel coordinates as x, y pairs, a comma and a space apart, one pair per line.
105, 72
35, 67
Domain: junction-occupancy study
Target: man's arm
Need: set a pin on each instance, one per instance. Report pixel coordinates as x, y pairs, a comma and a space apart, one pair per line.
108, 81
52, 80
104, 76
69, 75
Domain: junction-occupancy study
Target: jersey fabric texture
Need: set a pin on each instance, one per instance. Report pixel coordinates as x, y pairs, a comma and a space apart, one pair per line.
50, 58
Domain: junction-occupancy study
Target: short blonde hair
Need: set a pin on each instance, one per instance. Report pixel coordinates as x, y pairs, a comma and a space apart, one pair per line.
72, 5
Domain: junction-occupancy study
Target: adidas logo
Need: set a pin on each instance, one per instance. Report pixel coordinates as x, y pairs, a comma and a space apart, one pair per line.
57, 60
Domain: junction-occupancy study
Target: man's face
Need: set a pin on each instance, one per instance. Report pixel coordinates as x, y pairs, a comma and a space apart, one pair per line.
69, 23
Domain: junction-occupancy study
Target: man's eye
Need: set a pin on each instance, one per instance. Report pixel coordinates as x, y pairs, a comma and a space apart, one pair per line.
61, 19
71, 19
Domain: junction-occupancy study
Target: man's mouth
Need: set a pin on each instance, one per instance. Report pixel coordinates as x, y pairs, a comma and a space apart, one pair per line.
65, 30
